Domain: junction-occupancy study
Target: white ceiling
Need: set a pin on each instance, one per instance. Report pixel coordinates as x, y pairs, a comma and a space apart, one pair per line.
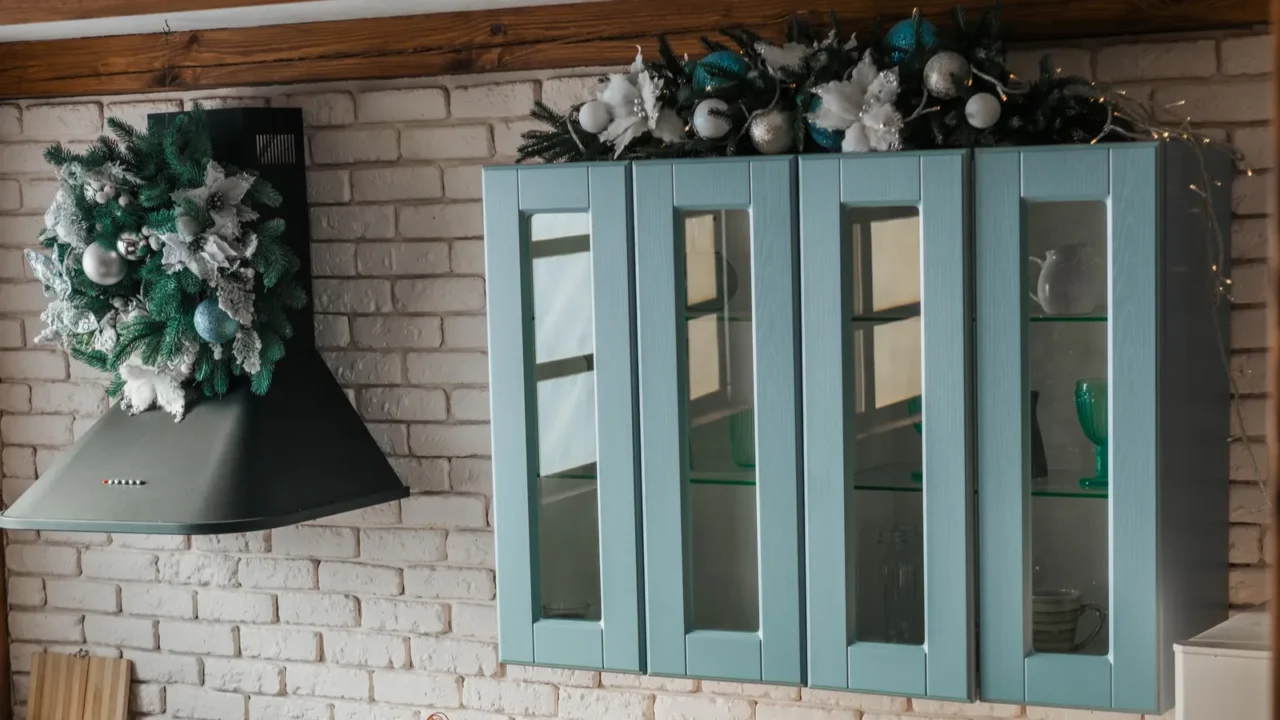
284, 14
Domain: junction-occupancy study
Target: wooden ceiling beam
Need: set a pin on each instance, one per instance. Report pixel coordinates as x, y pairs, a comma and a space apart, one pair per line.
21, 12
529, 38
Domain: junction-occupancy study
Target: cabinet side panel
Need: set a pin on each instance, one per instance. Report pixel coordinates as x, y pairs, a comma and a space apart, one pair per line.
1194, 402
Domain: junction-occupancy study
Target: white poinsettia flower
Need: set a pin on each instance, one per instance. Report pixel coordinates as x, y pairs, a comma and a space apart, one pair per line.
221, 196
633, 100
786, 58
863, 107
147, 386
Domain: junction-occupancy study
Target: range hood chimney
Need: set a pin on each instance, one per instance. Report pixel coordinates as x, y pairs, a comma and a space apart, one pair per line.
242, 462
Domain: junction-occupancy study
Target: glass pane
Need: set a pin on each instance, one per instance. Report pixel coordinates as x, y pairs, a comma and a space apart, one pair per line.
1067, 372
568, 517
723, 567
884, 509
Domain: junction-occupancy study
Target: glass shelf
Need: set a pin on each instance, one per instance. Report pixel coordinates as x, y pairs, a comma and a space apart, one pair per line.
1068, 318
1066, 484
733, 318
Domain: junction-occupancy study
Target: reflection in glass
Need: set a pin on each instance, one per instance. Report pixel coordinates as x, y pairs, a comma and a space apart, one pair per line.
1067, 370
564, 346
723, 557
884, 406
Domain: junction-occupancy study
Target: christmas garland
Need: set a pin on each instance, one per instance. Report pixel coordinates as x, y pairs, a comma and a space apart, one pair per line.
913, 88
161, 270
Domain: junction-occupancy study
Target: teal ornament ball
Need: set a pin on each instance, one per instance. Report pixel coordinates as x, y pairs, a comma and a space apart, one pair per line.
901, 41
213, 325
829, 139
719, 69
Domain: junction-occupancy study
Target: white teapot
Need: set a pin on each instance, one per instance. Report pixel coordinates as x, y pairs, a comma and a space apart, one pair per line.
1069, 283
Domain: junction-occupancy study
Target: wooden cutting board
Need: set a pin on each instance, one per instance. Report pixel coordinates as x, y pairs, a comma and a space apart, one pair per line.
71, 687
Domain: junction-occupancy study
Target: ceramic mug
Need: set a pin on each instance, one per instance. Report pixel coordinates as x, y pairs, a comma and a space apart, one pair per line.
1055, 620
1068, 282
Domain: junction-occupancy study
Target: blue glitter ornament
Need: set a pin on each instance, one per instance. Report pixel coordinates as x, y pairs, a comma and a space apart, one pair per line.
214, 325
900, 42
726, 63
829, 139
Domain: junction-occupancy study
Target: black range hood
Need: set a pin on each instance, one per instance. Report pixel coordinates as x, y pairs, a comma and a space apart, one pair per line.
242, 462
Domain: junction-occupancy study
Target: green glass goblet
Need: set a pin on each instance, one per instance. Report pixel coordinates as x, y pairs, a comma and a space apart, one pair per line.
1091, 409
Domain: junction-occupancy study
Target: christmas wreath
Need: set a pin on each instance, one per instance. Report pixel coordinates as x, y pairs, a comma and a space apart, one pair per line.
164, 268
915, 87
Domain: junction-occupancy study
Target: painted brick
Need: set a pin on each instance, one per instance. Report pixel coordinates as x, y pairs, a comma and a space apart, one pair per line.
403, 259
1249, 372
1071, 61
403, 404
498, 100
10, 121
1255, 143
402, 105
469, 404
855, 701
163, 667
146, 699
468, 332
43, 559
447, 143
1249, 283
563, 93
692, 707
772, 711
324, 109
1248, 242
26, 297
447, 368
10, 195
333, 259
23, 158
1247, 585
397, 332
453, 655
449, 440
280, 644
449, 583
135, 113
463, 182
273, 708
120, 631
467, 257
65, 121
200, 704
38, 194
358, 711
255, 542
325, 681
69, 398
1248, 330
1246, 55
20, 462
1153, 61
981, 709
336, 147
329, 610
585, 704
753, 690
473, 475
449, 220
314, 542
32, 365
385, 514
1253, 413
352, 223
200, 638
393, 438
1244, 101
27, 591
243, 676
1248, 461
475, 621
365, 368
236, 606
1249, 194
422, 474
198, 569
402, 546
366, 649
407, 688
444, 511
360, 578
328, 187
343, 296
332, 331
74, 538
422, 182
47, 626
507, 136
36, 429
404, 615
440, 294
1068, 714
11, 334
80, 595
1245, 543
236, 101
506, 696
273, 573
150, 542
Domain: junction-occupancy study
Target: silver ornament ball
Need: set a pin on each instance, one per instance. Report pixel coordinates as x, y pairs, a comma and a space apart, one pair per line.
944, 71
131, 246
595, 116
708, 123
103, 266
770, 132
214, 325
982, 110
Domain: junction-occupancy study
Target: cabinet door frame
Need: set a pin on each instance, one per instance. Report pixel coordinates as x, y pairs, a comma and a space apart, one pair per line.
1126, 178
511, 195
937, 183
765, 187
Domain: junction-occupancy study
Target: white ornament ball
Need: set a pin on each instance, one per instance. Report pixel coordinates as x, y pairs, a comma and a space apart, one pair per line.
124, 200
944, 71
103, 266
707, 123
982, 111
595, 116
771, 132
101, 197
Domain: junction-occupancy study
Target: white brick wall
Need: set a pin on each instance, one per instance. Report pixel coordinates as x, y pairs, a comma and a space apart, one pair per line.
387, 613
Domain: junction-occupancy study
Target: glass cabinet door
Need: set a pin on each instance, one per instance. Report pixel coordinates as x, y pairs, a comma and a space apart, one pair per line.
715, 275
1066, 357
562, 376
887, 458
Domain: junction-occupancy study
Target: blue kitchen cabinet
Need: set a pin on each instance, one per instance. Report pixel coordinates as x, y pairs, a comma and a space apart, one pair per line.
1102, 415
888, 463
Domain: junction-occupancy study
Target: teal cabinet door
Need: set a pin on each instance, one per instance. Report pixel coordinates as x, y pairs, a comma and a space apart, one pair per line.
1067, 330
887, 456
563, 383
719, 417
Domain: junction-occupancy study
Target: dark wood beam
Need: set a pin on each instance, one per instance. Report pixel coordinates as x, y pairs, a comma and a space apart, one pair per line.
530, 38
19, 12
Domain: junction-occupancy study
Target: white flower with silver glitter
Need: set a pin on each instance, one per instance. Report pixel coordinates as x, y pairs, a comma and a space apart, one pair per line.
63, 222
147, 386
62, 319
222, 196
863, 107
788, 58
633, 100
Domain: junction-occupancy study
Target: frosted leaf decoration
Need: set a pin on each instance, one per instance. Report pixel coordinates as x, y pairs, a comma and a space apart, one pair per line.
788, 58
235, 295
248, 350
62, 319
63, 222
634, 104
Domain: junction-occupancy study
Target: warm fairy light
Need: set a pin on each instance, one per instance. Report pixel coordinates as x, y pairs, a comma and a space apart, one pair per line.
1213, 268
1249, 172
1176, 104
1193, 187
1122, 92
